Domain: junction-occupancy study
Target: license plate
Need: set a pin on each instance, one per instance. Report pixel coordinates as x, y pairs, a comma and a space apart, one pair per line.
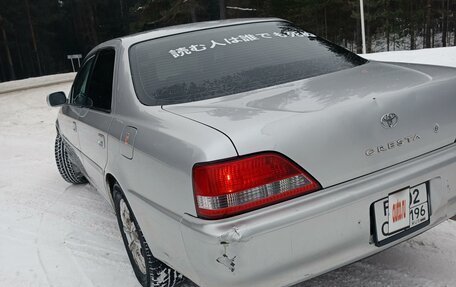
401, 213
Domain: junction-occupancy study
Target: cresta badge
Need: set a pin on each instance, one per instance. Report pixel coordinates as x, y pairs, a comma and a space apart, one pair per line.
392, 145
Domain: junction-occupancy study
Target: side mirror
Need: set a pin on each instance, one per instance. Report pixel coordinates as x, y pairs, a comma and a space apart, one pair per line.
56, 99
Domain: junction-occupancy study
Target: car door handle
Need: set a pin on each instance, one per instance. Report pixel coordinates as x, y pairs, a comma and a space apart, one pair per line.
75, 127
101, 140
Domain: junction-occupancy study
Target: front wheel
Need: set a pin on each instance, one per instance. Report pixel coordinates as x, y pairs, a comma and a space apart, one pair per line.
148, 270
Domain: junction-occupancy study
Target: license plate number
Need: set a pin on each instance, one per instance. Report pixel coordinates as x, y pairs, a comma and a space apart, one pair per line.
400, 213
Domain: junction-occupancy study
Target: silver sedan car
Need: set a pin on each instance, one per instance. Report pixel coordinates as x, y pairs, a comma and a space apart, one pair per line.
253, 153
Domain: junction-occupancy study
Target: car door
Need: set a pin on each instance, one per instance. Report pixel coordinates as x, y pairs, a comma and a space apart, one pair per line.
96, 117
69, 116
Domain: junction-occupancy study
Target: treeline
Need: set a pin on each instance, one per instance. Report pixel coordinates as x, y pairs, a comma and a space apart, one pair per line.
37, 35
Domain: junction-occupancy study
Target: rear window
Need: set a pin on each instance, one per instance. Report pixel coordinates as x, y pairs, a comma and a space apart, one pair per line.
229, 60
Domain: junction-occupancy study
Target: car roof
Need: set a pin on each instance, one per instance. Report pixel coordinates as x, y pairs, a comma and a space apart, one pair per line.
132, 39
178, 29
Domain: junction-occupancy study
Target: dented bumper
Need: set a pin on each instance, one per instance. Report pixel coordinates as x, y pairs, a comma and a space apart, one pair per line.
299, 239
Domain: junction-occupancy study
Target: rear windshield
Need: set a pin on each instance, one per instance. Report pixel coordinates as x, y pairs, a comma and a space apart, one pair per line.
223, 61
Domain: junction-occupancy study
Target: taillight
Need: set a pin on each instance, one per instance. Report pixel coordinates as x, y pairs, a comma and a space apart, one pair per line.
238, 185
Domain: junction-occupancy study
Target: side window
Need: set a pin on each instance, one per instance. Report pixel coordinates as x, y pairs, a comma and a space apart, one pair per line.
79, 91
100, 83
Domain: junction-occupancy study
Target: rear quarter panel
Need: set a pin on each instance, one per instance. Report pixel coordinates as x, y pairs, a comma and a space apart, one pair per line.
157, 180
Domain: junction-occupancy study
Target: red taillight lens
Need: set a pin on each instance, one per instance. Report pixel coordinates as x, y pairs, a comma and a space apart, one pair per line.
226, 188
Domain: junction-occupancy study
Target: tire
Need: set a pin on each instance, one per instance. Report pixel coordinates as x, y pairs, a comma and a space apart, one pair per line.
453, 218
67, 169
149, 271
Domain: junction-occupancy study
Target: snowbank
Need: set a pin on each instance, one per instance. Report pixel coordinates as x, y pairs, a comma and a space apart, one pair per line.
37, 82
435, 56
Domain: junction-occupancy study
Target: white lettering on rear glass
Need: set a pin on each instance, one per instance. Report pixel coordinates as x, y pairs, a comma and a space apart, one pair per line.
264, 35
197, 48
214, 44
248, 37
184, 51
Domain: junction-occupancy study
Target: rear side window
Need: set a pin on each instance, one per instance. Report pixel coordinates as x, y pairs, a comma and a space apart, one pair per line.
228, 60
100, 83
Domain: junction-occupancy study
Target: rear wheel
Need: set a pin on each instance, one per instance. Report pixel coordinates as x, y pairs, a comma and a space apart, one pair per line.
67, 169
148, 270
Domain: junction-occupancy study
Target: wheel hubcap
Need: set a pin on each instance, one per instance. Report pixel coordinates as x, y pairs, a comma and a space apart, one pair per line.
133, 242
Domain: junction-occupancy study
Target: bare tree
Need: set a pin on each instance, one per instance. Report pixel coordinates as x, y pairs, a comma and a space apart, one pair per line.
445, 8
412, 27
7, 49
387, 24
222, 9
428, 23
32, 32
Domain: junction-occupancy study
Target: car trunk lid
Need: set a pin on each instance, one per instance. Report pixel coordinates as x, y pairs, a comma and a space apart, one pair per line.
341, 125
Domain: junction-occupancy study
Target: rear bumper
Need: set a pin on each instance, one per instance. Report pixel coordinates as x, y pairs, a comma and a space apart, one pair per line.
305, 237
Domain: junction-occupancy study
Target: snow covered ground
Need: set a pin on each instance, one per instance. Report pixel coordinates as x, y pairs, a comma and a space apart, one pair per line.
56, 234
36, 82
436, 56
